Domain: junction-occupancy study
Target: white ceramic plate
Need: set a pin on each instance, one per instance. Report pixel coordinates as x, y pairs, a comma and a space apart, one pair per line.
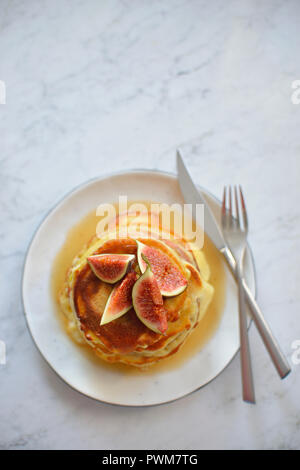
64, 356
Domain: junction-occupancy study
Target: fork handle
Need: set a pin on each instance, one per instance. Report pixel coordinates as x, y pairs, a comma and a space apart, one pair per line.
264, 330
246, 368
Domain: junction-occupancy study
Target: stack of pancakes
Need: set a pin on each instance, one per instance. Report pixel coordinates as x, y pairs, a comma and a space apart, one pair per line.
127, 340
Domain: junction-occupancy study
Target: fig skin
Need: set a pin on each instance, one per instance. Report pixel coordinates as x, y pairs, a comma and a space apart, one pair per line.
110, 268
120, 299
148, 302
170, 280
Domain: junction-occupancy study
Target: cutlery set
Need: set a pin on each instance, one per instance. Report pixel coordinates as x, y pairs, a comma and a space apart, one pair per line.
231, 241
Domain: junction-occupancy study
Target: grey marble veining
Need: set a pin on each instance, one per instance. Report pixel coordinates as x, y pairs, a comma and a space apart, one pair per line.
101, 86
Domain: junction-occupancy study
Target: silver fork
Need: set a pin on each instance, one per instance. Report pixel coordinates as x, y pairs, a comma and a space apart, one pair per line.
235, 231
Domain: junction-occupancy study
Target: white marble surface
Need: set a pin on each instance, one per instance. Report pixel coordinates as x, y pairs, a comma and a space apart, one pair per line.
105, 85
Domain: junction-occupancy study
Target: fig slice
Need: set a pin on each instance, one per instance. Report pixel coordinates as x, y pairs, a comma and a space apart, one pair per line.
120, 299
110, 268
148, 302
170, 280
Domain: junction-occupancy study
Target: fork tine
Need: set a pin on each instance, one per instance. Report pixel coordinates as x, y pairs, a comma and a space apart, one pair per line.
237, 207
224, 207
230, 219
244, 211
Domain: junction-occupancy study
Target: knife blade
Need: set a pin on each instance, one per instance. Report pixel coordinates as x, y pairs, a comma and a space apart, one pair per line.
193, 196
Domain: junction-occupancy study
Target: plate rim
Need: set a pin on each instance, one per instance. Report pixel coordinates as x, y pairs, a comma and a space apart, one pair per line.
39, 226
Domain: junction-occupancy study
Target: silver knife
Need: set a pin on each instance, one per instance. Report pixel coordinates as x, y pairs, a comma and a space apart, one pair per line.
193, 196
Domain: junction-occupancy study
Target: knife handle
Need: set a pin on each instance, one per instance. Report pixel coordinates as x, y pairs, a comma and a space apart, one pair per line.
264, 330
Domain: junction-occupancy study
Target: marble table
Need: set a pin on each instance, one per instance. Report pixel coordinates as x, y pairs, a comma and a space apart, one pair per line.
108, 85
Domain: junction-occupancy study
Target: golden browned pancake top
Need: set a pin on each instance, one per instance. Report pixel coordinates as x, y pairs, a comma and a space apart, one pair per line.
127, 333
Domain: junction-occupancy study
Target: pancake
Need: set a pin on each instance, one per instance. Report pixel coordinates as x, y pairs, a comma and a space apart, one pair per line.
126, 339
